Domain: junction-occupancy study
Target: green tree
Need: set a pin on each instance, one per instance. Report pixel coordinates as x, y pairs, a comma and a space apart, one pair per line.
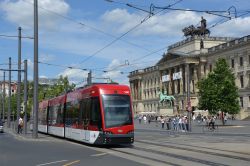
45, 91
218, 91
60, 87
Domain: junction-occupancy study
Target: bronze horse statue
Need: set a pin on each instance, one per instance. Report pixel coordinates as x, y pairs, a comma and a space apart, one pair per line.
164, 97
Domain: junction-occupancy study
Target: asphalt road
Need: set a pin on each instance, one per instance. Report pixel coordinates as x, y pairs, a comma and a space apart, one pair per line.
229, 146
18, 151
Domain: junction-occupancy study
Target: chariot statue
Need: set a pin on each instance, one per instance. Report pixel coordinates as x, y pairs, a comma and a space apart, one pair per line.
201, 30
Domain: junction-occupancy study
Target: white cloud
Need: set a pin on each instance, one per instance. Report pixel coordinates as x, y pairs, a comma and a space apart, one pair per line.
46, 57
233, 28
170, 24
166, 24
74, 75
113, 69
20, 12
43, 76
30, 64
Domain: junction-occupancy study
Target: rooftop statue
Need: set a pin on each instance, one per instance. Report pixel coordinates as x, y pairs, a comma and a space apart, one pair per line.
201, 30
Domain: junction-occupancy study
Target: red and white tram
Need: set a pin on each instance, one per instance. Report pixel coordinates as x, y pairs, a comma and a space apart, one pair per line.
42, 116
97, 114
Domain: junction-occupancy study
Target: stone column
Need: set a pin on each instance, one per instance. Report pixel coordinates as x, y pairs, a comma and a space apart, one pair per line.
181, 81
172, 82
175, 82
195, 78
136, 89
168, 82
186, 76
132, 90
140, 90
202, 72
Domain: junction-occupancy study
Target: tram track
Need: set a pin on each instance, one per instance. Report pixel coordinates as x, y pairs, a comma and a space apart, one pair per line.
230, 151
145, 157
187, 158
181, 158
160, 154
199, 151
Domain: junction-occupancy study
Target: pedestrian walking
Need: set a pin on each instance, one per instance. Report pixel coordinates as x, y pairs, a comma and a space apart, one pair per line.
140, 117
225, 119
162, 122
20, 125
168, 121
145, 119
149, 119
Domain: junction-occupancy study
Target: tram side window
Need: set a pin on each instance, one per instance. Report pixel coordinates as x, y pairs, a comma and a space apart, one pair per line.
86, 111
50, 116
68, 114
95, 114
72, 116
56, 115
83, 108
59, 118
42, 116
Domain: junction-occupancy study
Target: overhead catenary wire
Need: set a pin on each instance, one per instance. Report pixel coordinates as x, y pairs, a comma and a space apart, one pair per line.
168, 7
130, 30
147, 54
89, 26
14, 36
222, 21
62, 66
214, 12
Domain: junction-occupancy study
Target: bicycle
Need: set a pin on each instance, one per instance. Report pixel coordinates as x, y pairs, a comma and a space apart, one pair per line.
210, 128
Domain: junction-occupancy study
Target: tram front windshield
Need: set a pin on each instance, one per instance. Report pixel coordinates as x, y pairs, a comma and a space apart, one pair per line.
117, 110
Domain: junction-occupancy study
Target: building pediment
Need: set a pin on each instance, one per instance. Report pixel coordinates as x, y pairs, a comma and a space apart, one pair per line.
167, 57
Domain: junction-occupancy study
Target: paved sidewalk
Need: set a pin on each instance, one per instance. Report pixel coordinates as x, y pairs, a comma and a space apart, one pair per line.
235, 127
27, 136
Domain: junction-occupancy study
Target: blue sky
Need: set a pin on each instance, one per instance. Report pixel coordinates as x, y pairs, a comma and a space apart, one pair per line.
72, 30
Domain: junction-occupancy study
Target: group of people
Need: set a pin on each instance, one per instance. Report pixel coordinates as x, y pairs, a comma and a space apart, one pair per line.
178, 123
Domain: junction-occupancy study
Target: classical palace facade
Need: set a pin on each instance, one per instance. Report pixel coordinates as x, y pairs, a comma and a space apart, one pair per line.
190, 59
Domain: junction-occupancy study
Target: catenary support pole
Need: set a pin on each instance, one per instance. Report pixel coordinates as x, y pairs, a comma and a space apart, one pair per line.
19, 75
1, 100
9, 102
3, 95
35, 96
25, 96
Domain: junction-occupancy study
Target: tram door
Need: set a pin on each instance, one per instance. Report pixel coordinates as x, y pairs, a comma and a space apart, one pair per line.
86, 118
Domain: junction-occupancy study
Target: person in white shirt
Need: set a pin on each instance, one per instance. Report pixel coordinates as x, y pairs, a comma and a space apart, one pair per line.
145, 119
20, 125
162, 122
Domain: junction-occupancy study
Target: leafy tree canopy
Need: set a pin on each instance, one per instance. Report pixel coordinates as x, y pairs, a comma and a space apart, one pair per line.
218, 91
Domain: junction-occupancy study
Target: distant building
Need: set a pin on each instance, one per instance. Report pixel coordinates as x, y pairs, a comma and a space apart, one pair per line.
6, 84
47, 81
169, 75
